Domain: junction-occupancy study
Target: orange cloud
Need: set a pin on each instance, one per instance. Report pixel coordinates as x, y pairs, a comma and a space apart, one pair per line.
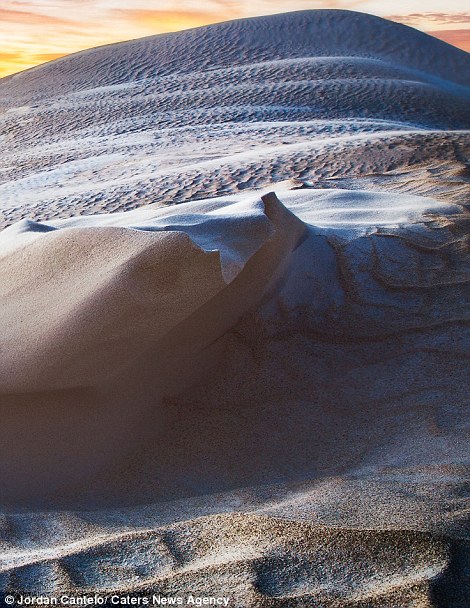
31, 18
458, 38
10, 56
159, 20
11, 62
440, 18
40, 57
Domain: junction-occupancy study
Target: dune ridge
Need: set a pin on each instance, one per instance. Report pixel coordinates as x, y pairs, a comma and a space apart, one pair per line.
234, 325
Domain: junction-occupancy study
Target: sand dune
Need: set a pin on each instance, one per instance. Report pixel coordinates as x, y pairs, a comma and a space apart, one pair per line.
119, 289
313, 96
205, 387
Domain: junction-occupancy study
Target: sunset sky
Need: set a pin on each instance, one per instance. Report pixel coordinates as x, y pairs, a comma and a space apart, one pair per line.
35, 31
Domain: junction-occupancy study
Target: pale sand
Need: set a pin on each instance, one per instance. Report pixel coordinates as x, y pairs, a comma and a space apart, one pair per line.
257, 396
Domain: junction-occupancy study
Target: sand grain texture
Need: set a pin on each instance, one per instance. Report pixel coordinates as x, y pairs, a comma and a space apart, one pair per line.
209, 388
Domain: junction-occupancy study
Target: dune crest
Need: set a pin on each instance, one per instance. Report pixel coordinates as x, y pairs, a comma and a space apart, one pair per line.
117, 289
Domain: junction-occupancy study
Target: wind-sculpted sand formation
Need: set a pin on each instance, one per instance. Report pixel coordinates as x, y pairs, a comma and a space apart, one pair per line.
234, 327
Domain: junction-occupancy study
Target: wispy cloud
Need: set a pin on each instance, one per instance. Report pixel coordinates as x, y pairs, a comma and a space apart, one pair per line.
28, 17
41, 57
9, 57
436, 18
159, 20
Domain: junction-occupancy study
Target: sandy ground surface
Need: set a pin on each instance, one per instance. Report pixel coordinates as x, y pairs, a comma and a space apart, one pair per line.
213, 390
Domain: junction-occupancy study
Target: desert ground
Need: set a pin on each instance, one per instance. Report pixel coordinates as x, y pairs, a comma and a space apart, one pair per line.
234, 321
